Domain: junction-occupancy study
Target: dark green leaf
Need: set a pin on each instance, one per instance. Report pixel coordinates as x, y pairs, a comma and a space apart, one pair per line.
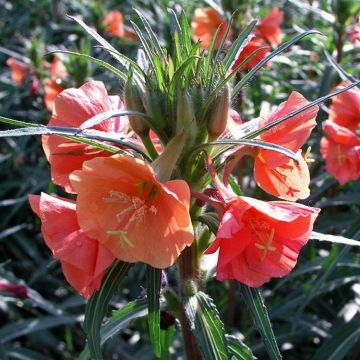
255, 303
207, 326
119, 320
97, 306
153, 296
238, 350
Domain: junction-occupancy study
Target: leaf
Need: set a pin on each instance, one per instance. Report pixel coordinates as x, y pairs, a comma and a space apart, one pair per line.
279, 50
101, 63
101, 41
342, 340
154, 40
207, 326
153, 296
174, 22
97, 306
238, 350
251, 143
334, 239
119, 320
238, 45
255, 303
29, 326
99, 118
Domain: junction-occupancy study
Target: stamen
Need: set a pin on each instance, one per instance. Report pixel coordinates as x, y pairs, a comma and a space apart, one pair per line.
307, 156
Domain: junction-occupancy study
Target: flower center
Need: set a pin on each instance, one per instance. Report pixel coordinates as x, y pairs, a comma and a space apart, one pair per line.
132, 209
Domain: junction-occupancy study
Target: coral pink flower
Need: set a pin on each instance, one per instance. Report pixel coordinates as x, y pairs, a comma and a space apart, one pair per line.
269, 27
341, 151
84, 261
256, 44
51, 89
276, 173
19, 71
114, 23
72, 108
123, 205
345, 108
259, 240
205, 24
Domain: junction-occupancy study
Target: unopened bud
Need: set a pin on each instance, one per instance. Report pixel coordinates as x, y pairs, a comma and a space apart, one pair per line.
133, 101
185, 115
219, 114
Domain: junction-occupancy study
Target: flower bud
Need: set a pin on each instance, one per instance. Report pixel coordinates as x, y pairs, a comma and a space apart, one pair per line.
185, 115
133, 101
219, 114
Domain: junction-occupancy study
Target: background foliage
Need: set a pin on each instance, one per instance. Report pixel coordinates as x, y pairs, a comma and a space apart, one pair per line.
314, 310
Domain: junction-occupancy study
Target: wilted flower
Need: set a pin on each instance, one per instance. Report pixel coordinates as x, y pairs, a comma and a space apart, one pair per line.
122, 205
341, 151
84, 261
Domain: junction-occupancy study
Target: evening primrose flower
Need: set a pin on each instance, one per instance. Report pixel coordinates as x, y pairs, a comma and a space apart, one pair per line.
139, 219
84, 260
71, 109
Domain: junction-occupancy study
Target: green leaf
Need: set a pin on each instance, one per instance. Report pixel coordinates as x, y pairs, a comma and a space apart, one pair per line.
238, 350
154, 40
153, 296
102, 41
255, 303
99, 118
185, 34
238, 45
166, 338
174, 22
97, 306
101, 63
279, 50
119, 320
342, 340
29, 326
337, 239
207, 326
251, 143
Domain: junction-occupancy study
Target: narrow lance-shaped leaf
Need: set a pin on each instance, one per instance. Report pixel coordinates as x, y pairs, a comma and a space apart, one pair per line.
102, 63
119, 320
261, 319
207, 326
153, 296
97, 306
238, 350
279, 50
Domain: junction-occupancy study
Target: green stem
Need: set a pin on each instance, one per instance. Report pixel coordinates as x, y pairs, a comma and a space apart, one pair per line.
145, 138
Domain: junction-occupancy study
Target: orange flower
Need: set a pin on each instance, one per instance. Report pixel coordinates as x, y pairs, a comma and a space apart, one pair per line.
255, 44
19, 71
205, 24
123, 205
269, 27
72, 108
58, 69
276, 173
114, 23
51, 89
345, 108
84, 261
341, 151
259, 240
